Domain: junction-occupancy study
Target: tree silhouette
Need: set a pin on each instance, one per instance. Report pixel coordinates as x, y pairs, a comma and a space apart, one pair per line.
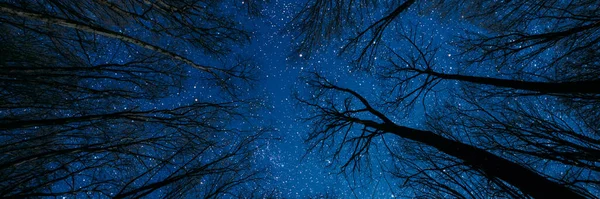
320, 22
524, 94
343, 111
84, 102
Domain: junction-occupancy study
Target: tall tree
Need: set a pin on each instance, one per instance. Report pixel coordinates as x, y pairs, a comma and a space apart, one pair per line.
525, 91
343, 111
86, 100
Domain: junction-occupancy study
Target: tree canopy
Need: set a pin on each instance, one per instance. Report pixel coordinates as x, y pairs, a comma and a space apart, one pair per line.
83, 100
522, 97
167, 98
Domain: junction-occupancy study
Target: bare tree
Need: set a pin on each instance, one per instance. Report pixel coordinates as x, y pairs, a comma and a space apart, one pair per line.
538, 107
346, 121
323, 22
187, 25
84, 109
129, 153
525, 91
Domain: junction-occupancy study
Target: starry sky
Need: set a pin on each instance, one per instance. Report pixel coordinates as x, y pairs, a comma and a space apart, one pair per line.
292, 172
296, 174
292, 169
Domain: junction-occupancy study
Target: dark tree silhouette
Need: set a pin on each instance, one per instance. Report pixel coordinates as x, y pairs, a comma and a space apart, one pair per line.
547, 109
84, 100
322, 21
525, 92
343, 111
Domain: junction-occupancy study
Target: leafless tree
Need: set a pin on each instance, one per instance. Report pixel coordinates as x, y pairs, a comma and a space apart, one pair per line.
323, 22
538, 106
84, 108
525, 90
345, 121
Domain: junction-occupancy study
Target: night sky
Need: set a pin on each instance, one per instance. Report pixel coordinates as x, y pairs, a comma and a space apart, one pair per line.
295, 173
292, 170
299, 177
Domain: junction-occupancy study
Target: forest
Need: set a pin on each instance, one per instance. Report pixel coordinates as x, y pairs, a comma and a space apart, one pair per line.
299, 99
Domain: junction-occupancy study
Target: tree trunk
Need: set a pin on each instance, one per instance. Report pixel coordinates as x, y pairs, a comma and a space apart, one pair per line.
525, 180
578, 87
